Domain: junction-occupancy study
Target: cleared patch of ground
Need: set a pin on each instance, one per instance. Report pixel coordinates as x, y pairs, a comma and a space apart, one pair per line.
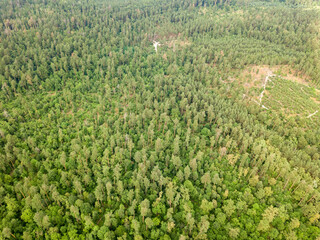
315, 100
164, 56
203, 11
177, 43
52, 93
286, 92
254, 75
171, 40
70, 112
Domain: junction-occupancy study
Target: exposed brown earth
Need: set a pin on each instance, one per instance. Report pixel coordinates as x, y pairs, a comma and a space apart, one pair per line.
315, 100
256, 74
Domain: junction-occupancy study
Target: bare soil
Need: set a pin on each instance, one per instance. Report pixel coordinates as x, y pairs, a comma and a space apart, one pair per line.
175, 43
258, 73
315, 100
52, 93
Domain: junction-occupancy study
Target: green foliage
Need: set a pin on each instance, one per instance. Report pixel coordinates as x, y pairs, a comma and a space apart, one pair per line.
101, 137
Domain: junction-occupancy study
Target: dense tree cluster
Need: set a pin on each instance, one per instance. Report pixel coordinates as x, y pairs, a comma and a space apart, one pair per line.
103, 138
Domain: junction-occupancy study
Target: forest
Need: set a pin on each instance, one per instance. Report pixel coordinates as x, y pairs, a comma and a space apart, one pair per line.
159, 119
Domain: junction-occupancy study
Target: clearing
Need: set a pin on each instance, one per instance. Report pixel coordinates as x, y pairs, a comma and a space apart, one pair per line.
281, 89
255, 75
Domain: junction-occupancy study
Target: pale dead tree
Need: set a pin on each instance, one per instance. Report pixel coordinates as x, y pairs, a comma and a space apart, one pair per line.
156, 44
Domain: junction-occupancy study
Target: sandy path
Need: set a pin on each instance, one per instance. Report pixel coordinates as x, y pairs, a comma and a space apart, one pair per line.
264, 87
313, 114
